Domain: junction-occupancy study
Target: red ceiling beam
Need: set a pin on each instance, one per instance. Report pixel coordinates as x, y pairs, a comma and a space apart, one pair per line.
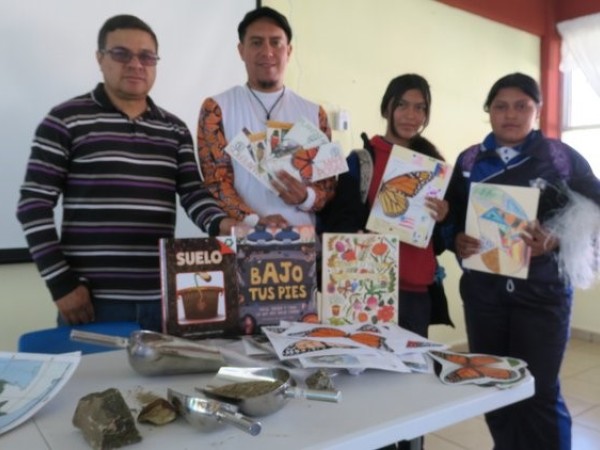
569, 9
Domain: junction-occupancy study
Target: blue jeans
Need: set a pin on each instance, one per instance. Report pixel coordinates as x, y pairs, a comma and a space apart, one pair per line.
148, 313
527, 320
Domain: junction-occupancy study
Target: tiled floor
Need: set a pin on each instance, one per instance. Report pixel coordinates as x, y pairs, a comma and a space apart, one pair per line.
580, 379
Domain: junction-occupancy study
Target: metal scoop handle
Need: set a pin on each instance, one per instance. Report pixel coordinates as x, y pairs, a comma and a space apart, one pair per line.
99, 339
239, 421
313, 394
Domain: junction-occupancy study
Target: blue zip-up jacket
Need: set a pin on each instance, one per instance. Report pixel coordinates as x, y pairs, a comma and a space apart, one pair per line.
546, 163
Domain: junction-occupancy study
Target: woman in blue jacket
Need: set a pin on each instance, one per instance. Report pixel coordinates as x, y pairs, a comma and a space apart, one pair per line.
523, 318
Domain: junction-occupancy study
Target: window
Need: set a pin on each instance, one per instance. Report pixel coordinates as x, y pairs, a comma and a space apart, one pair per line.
581, 117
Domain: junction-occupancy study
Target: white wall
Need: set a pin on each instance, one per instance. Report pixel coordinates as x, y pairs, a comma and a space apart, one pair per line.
48, 49
25, 303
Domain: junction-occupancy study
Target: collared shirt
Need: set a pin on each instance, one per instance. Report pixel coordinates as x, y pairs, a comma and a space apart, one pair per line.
118, 179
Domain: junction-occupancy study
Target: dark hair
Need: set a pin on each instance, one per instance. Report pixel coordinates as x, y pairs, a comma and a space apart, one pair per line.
123, 22
514, 80
398, 86
425, 147
264, 12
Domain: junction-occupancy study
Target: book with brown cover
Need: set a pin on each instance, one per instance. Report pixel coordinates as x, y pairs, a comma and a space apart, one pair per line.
199, 288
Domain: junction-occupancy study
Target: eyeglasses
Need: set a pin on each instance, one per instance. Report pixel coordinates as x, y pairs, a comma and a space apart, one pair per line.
124, 56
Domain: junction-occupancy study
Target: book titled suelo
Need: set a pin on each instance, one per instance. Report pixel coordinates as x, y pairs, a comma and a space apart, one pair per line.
276, 270
199, 289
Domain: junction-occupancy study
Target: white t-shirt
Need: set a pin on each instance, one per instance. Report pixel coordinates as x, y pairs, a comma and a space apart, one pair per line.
240, 109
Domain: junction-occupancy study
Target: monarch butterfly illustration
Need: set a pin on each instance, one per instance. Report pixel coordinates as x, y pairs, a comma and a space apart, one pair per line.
369, 328
307, 346
368, 339
395, 192
326, 332
474, 367
303, 162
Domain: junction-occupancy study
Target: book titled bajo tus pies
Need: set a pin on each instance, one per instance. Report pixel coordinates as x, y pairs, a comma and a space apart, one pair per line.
276, 269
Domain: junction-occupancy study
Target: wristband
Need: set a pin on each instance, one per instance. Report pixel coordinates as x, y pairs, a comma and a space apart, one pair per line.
251, 220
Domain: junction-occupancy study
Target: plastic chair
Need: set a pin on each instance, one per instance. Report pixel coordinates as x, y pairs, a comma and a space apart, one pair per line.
57, 340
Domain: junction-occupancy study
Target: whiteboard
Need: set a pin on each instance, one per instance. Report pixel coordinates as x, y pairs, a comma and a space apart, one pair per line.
47, 54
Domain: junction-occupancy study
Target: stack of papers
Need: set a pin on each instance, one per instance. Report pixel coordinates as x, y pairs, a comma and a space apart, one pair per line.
300, 148
354, 347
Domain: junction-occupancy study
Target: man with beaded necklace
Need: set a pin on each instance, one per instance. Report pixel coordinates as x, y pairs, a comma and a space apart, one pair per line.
265, 47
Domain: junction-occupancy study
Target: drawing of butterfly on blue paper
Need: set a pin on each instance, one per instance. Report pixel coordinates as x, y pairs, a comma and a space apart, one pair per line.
497, 215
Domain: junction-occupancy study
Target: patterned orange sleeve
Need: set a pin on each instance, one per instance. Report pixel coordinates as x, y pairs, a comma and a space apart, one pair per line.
215, 163
324, 189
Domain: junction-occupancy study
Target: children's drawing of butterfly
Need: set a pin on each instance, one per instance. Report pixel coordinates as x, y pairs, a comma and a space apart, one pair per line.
303, 161
395, 192
474, 368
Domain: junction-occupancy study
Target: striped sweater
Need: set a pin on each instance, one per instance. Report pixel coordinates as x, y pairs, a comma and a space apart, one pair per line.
118, 179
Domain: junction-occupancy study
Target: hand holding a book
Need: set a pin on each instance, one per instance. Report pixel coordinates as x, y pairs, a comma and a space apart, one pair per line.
465, 245
438, 208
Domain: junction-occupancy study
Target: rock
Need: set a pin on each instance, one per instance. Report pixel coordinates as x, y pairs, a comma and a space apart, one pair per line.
320, 380
158, 412
105, 420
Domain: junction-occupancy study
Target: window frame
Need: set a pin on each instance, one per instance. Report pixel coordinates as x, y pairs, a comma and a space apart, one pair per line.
582, 137
567, 104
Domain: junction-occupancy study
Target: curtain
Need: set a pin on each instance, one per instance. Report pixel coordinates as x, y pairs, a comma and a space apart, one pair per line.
581, 47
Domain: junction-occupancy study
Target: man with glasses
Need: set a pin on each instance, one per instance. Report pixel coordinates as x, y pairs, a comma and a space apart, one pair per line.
118, 161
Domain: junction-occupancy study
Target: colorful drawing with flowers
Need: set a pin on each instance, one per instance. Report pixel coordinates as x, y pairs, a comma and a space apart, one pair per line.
360, 278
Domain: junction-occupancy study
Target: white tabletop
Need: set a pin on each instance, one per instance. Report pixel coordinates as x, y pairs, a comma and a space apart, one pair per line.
377, 408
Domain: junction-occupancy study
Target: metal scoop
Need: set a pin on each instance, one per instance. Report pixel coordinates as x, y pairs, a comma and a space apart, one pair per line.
152, 353
267, 399
208, 415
